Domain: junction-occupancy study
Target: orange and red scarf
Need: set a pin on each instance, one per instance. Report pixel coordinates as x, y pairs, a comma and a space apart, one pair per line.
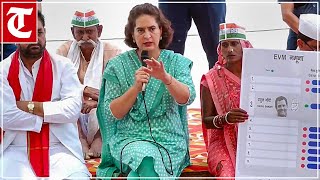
37, 143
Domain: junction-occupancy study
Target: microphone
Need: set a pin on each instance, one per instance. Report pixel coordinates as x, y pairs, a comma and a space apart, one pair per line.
144, 55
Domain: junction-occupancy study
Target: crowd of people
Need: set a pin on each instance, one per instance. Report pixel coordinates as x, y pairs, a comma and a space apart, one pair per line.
90, 100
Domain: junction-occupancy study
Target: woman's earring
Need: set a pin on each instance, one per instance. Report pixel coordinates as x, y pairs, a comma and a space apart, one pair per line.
160, 38
133, 41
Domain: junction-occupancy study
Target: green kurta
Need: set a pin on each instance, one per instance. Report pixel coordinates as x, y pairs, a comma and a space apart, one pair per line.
168, 119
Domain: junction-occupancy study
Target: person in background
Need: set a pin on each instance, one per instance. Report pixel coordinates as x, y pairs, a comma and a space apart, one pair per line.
42, 99
309, 32
89, 56
291, 13
142, 109
206, 16
7, 50
220, 98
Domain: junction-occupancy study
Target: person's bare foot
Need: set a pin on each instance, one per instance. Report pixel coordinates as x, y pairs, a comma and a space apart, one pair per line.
96, 146
84, 143
85, 148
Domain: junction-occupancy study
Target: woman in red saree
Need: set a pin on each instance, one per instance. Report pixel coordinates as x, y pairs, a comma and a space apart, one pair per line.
220, 98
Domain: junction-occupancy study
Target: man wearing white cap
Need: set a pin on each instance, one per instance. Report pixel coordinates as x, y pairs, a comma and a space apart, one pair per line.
90, 56
309, 32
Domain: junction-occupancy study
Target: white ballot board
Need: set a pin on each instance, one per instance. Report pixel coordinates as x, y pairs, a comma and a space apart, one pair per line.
280, 91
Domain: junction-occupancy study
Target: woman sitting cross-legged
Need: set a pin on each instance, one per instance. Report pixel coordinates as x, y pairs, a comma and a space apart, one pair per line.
220, 98
142, 109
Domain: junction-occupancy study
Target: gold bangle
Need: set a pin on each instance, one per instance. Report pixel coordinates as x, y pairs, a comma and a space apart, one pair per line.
170, 82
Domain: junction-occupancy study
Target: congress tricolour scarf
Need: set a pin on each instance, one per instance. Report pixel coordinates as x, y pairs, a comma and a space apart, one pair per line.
37, 143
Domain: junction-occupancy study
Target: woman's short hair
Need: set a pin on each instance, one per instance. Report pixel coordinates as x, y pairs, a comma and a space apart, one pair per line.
148, 9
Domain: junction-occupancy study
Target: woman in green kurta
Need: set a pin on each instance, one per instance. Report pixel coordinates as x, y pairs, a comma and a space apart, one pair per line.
148, 139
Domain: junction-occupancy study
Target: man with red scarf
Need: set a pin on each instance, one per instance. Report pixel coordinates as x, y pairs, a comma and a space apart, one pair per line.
40, 107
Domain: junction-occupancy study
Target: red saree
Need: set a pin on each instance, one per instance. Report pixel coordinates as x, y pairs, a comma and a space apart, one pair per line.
221, 144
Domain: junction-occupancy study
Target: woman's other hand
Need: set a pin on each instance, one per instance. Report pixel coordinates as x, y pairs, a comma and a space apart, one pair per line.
236, 115
156, 70
141, 76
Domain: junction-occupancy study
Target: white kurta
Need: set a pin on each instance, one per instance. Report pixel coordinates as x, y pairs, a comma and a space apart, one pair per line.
89, 75
61, 113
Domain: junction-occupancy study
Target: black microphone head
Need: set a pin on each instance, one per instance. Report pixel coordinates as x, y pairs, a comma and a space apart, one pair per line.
144, 55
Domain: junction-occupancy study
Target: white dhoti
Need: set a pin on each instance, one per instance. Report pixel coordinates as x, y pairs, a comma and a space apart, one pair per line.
89, 75
89, 125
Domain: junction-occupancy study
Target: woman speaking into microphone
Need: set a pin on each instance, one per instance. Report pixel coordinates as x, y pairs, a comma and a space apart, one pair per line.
145, 134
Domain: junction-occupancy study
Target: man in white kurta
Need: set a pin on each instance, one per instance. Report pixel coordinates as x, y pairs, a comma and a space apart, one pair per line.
89, 56
61, 113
